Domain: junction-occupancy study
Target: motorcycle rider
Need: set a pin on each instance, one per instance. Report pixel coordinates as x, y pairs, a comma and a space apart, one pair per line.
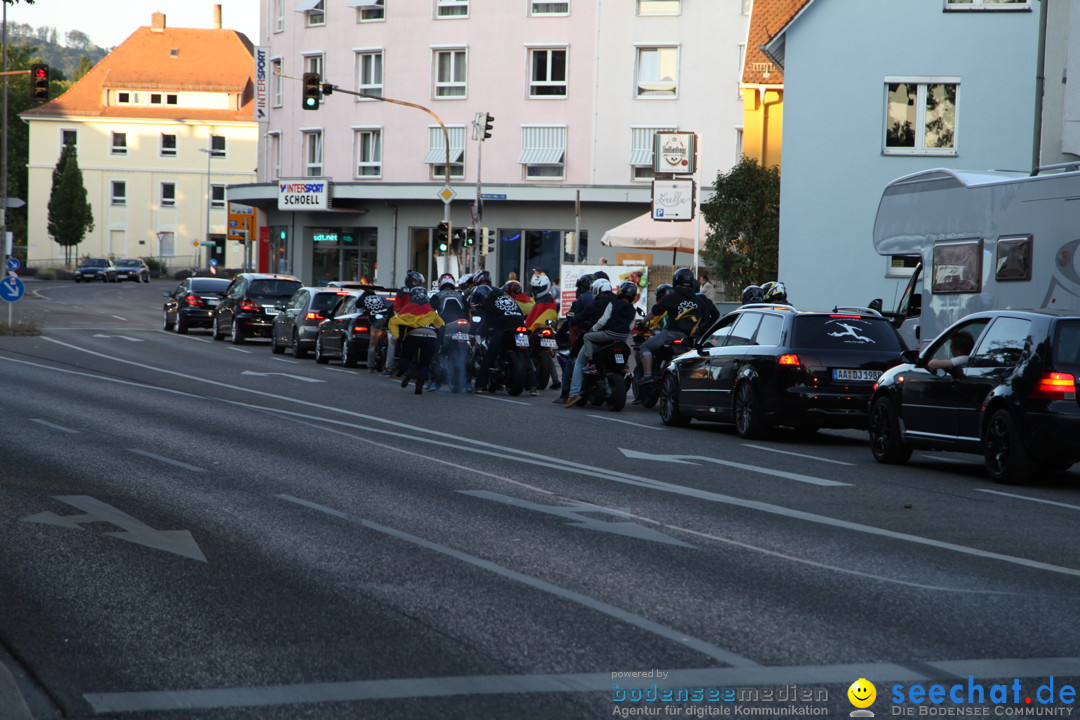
412, 279
378, 313
611, 316
415, 325
500, 316
582, 300
775, 292
685, 311
449, 303
544, 311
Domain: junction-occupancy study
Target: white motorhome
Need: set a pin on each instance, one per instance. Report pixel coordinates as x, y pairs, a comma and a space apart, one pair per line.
985, 240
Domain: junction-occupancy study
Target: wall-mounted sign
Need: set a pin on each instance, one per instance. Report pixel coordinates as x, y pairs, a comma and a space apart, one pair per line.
262, 84
673, 200
674, 153
308, 194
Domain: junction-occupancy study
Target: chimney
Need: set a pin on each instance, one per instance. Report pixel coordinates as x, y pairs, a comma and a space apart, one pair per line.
157, 22
217, 16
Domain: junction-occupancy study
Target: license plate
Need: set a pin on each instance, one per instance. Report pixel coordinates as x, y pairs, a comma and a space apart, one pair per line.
271, 311
460, 336
619, 358
859, 375
212, 303
549, 343
522, 341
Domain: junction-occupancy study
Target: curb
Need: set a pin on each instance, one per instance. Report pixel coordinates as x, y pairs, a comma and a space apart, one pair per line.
12, 705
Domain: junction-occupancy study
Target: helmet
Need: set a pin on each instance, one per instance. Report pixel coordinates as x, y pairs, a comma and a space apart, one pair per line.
414, 279
464, 281
418, 295
482, 277
775, 292
628, 291
684, 278
584, 283
662, 291
512, 288
479, 296
600, 274
601, 285
446, 279
752, 294
539, 285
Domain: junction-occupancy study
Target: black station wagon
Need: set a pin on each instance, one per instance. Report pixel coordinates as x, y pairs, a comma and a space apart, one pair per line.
763, 366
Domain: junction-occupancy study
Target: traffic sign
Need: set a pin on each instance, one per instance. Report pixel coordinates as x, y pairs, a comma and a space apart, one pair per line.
13, 264
446, 194
12, 289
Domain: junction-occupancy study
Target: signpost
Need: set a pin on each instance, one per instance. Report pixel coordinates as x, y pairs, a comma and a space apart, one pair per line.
11, 290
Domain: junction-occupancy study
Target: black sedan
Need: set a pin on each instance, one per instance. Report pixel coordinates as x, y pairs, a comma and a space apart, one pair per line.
347, 333
297, 321
132, 269
1000, 383
102, 269
192, 302
770, 365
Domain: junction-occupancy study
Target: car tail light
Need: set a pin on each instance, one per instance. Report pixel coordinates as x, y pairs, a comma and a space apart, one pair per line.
1055, 386
850, 317
193, 300
250, 306
315, 316
361, 328
788, 359
521, 329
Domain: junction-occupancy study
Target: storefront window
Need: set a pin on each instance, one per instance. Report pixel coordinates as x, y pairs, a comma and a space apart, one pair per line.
343, 254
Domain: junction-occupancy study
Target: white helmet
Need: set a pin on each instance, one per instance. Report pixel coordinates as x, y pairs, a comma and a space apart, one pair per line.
601, 285
540, 284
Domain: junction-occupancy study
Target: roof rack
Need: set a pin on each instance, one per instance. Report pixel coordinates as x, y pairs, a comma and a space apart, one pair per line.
769, 306
853, 310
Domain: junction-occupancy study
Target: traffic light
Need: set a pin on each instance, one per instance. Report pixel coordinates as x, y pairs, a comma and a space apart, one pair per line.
442, 236
312, 91
489, 241
470, 236
488, 120
39, 82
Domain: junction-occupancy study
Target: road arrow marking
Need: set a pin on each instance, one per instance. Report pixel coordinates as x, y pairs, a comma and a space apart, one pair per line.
575, 513
698, 459
178, 542
294, 377
125, 337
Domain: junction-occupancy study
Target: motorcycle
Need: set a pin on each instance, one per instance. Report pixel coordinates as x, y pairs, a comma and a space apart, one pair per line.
512, 366
648, 393
543, 349
454, 359
607, 385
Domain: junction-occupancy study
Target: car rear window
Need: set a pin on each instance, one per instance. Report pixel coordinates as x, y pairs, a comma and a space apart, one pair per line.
832, 332
1067, 343
326, 300
209, 285
274, 288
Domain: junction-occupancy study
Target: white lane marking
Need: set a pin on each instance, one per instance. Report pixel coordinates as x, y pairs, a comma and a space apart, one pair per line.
954, 461
185, 336
500, 399
334, 369
695, 459
545, 461
54, 426
294, 377
122, 337
285, 360
627, 422
1038, 500
624, 616
570, 683
120, 318
799, 455
170, 461
240, 350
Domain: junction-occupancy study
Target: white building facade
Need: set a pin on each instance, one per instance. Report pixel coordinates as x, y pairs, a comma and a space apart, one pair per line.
576, 89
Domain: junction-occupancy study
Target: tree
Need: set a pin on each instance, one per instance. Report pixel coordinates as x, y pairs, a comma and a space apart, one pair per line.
85, 66
744, 225
70, 216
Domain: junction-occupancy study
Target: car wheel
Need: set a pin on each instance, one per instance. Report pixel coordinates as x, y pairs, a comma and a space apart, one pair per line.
275, 347
885, 441
216, 333
350, 358
181, 324
320, 356
165, 324
749, 416
1007, 460
298, 352
670, 414
236, 334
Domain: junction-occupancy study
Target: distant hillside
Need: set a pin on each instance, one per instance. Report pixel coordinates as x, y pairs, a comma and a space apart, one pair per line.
63, 54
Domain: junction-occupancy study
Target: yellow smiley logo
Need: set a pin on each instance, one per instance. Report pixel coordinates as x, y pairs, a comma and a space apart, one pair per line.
862, 693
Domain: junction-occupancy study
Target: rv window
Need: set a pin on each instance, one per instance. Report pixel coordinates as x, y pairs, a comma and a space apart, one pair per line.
957, 267
1013, 258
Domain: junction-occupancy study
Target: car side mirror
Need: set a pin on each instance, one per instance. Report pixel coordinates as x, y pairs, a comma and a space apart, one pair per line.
279, 306
166, 294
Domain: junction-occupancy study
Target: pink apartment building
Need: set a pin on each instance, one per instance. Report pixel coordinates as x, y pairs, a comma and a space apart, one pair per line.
577, 88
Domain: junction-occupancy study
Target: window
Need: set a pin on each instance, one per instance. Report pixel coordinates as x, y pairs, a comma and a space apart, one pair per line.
641, 151
279, 15
658, 72
548, 75
436, 155
369, 10
901, 265
313, 63
279, 82
168, 194
119, 143
369, 73
217, 196
69, 136
275, 154
1013, 261
657, 7
217, 145
542, 7
128, 98
168, 145
1002, 345
987, 4
543, 150
314, 12
155, 98
368, 152
313, 153
957, 267
119, 192
171, 99
743, 332
771, 330
451, 8
450, 73
920, 117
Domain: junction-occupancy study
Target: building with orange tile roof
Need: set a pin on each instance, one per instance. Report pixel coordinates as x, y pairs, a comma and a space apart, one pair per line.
161, 125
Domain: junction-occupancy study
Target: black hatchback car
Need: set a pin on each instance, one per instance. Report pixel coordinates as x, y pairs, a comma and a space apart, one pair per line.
250, 304
297, 321
352, 325
771, 365
192, 302
1009, 395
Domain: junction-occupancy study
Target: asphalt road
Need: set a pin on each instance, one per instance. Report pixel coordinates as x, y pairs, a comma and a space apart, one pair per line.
191, 529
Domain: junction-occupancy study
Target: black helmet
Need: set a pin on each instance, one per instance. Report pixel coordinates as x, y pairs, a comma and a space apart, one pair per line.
446, 280
418, 295
600, 274
414, 279
775, 292
479, 296
684, 278
752, 294
628, 291
584, 283
662, 291
482, 277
